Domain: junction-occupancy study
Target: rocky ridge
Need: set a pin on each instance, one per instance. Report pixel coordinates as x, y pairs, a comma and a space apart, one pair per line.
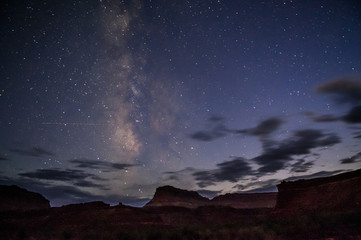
16, 198
171, 196
339, 192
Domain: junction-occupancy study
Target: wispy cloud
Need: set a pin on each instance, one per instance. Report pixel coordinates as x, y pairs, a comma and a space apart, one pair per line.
77, 178
345, 89
264, 128
232, 171
277, 155
353, 159
215, 128
98, 164
33, 152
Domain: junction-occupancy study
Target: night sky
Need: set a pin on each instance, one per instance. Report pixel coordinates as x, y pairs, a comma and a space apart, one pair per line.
108, 100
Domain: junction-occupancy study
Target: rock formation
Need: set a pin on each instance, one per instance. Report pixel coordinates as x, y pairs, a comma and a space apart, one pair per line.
337, 192
246, 200
87, 206
16, 198
171, 196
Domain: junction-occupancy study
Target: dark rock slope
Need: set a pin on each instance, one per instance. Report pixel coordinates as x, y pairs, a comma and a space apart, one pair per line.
16, 198
246, 200
339, 192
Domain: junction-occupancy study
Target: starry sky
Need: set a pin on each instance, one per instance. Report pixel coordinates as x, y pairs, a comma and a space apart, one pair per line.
108, 100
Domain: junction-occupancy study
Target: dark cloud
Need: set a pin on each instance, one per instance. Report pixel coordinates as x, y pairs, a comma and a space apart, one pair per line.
217, 129
352, 159
97, 164
216, 118
346, 90
322, 118
264, 128
231, 171
179, 175
357, 135
68, 175
353, 116
301, 166
64, 194
33, 152
276, 157
90, 184
269, 185
2, 158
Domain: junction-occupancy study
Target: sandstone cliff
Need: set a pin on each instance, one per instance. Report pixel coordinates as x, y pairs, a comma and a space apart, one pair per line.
171, 196
16, 198
337, 192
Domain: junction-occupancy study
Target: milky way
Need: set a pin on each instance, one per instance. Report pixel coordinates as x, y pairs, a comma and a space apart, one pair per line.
107, 100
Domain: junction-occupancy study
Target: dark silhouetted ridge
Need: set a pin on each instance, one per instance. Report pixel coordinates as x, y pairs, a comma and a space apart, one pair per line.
171, 196
338, 192
16, 198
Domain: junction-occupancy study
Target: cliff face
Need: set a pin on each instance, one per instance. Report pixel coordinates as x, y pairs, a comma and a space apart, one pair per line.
338, 192
16, 198
246, 200
171, 196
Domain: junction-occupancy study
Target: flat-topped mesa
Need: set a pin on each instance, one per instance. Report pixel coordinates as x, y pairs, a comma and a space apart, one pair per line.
339, 192
246, 200
16, 198
171, 196
86, 206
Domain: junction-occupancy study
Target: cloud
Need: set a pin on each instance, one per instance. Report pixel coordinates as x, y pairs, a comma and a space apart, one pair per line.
207, 136
64, 194
75, 177
264, 128
346, 89
322, 118
276, 157
56, 174
2, 158
353, 116
353, 159
269, 185
232, 171
216, 129
95, 164
178, 175
33, 152
301, 166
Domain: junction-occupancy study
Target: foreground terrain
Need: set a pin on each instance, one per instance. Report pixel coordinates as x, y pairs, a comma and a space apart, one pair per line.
323, 208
